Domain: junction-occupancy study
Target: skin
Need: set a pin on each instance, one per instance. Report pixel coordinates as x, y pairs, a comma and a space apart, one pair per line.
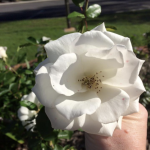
132, 136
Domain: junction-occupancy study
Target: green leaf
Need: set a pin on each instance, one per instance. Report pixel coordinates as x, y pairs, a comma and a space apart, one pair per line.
79, 3
57, 147
33, 143
10, 135
23, 78
28, 82
66, 147
2, 76
21, 57
75, 14
111, 28
23, 46
28, 72
29, 105
27, 63
43, 125
32, 40
44, 146
9, 78
93, 11
65, 134
4, 92
13, 86
81, 26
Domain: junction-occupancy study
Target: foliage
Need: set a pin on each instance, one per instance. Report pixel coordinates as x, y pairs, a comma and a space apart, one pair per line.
13, 85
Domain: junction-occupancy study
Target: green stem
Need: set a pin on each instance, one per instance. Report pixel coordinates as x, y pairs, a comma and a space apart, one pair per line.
86, 7
11, 68
82, 29
84, 12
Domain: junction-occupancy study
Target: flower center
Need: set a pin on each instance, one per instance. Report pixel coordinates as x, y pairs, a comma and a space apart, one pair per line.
92, 82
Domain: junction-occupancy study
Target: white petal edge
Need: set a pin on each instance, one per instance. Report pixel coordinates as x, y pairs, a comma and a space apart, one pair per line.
127, 75
58, 121
119, 123
91, 40
133, 107
78, 104
114, 102
46, 61
43, 89
87, 124
135, 90
100, 28
117, 39
63, 75
60, 46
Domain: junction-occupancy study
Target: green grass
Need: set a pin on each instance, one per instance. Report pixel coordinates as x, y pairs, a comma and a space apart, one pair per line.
15, 33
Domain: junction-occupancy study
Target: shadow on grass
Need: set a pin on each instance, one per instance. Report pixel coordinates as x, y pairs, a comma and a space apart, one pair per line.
126, 17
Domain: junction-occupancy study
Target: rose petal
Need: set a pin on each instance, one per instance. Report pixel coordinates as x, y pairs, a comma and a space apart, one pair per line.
90, 40
135, 90
108, 129
114, 102
133, 107
43, 89
32, 98
24, 113
24, 123
100, 28
24, 97
94, 127
58, 121
64, 74
78, 104
128, 74
92, 66
60, 46
46, 61
87, 124
23, 117
118, 39
108, 60
119, 124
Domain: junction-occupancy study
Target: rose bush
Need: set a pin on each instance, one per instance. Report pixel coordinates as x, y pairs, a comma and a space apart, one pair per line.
89, 81
24, 114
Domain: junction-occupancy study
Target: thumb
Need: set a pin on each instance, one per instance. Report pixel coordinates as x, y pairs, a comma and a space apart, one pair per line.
132, 136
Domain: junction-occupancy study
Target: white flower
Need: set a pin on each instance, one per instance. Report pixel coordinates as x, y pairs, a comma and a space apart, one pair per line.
3, 54
25, 114
89, 81
44, 38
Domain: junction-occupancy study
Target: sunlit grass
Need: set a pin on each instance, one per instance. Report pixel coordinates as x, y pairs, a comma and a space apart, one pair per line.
15, 33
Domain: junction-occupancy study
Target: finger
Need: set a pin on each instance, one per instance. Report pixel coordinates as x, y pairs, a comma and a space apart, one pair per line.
132, 136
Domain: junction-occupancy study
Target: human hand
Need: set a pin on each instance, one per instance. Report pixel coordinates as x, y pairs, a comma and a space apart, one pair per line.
132, 136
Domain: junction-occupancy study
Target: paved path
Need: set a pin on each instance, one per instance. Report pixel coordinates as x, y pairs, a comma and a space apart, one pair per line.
56, 8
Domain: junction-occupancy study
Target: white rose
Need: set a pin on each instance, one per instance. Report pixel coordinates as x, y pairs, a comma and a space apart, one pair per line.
89, 81
3, 54
25, 114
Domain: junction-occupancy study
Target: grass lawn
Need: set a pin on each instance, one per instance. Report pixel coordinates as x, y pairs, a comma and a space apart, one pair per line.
15, 33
